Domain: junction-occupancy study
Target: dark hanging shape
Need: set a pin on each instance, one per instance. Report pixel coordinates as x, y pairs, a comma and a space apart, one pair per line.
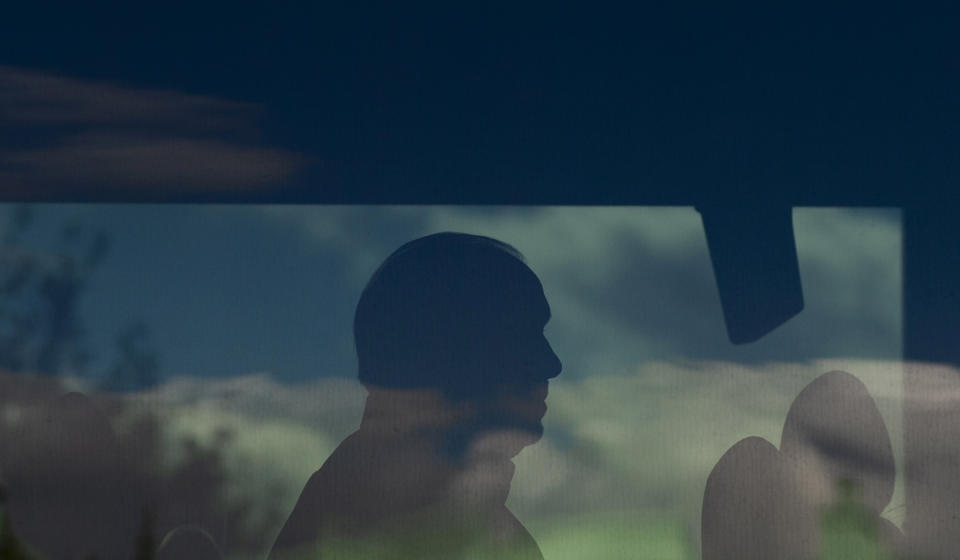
755, 263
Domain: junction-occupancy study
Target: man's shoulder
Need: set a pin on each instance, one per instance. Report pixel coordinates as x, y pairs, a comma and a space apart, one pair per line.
343, 471
323, 495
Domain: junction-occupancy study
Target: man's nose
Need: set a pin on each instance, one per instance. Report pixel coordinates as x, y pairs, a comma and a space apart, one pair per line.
551, 365
557, 365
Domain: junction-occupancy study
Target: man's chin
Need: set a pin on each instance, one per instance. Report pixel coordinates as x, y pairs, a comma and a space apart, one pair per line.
525, 425
533, 431
506, 442
501, 435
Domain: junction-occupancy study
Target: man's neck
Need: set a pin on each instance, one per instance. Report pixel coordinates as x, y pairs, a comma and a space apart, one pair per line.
410, 412
478, 468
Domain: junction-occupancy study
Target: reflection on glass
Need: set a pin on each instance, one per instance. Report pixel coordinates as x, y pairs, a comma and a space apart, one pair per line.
173, 377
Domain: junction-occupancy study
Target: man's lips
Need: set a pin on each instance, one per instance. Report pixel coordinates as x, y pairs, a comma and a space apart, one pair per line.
528, 402
539, 391
532, 391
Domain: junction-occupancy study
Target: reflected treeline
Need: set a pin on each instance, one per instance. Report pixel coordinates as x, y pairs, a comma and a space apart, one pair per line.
77, 487
41, 329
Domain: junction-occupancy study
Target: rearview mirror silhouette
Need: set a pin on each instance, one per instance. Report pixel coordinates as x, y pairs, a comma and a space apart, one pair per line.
754, 259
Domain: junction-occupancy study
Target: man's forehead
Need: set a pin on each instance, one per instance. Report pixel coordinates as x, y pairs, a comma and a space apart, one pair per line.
524, 302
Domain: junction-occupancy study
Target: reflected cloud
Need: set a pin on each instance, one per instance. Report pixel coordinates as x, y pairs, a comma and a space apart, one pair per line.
640, 278
635, 448
83, 134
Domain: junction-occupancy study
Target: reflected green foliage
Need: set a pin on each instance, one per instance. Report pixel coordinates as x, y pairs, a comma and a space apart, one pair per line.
849, 530
614, 536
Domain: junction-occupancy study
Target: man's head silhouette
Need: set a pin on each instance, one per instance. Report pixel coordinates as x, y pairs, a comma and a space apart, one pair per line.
449, 337
463, 315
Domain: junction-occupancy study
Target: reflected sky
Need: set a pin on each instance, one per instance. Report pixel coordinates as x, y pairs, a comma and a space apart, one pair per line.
250, 309
231, 290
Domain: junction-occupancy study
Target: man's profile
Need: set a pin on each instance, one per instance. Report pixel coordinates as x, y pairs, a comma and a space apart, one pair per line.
450, 346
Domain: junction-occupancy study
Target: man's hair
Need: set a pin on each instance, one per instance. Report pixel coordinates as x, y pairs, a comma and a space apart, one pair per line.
424, 318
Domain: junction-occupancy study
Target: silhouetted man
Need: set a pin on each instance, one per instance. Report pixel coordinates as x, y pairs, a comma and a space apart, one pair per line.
450, 345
